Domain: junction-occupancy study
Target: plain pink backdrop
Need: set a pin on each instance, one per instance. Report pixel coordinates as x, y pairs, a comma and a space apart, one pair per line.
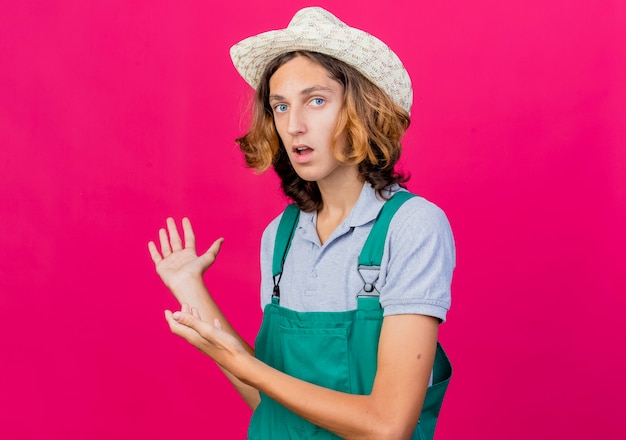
116, 114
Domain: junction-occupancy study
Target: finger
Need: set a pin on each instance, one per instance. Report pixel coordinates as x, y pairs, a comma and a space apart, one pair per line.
185, 332
217, 323
175, 240
185, 308
211, 254
202, 328
190, 237
154, 253
165, 243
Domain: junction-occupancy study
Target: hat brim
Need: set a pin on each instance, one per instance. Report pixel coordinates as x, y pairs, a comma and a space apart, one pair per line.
366, 53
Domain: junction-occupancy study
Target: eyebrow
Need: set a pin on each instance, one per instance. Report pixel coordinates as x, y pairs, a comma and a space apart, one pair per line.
307, 91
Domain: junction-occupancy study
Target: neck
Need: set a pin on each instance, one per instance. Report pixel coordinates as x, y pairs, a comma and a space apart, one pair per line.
340, 195
338, 199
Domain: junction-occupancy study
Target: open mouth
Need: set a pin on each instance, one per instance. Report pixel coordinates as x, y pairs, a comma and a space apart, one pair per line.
302, 150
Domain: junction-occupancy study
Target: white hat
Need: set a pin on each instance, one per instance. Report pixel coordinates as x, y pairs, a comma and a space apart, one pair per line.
317, 30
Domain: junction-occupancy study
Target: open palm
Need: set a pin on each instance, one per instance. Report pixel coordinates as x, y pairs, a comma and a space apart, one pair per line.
178, 264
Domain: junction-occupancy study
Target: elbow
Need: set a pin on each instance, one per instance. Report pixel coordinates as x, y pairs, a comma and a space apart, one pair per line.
392, 430
397, 433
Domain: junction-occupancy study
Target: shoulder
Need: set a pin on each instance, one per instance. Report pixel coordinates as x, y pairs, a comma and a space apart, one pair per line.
420, 229
269, 235
419, 259
419, 216
270, 230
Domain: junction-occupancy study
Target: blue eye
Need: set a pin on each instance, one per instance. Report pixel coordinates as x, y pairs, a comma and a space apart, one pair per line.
317, 101
280, 108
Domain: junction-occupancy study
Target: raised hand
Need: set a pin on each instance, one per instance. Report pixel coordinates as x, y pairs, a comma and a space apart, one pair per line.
181, 268
178, 265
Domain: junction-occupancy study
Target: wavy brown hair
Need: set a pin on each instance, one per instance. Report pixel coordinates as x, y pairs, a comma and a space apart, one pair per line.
373, 122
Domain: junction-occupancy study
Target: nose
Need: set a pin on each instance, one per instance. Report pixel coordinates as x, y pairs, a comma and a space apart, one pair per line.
296, 124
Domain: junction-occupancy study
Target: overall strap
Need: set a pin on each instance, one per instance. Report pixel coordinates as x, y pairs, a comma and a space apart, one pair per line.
372, 253
286, 229
370, 256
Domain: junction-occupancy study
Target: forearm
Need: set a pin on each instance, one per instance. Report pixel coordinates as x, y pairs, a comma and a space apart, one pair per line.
350, 416
390, 411
181, 270
194, 293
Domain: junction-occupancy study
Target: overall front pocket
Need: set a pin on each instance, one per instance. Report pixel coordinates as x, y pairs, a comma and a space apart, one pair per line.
317, 355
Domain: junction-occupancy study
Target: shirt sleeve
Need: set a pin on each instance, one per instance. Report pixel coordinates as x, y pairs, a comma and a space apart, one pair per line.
419, 258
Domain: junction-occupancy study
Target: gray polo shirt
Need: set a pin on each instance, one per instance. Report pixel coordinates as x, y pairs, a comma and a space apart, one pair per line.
415, 273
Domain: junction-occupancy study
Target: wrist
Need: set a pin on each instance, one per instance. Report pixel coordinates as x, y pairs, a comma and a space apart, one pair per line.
188, 289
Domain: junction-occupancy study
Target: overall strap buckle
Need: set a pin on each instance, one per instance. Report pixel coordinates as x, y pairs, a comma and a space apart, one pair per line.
276, 290
369, 282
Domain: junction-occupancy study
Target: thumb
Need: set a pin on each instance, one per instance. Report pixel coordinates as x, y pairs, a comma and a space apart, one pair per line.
186, 319
211, 254
181, 325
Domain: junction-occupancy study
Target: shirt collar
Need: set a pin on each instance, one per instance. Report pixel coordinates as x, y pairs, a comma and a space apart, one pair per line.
366, 208
364, 211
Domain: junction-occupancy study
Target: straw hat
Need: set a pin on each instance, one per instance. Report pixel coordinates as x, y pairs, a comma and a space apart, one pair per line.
317, 30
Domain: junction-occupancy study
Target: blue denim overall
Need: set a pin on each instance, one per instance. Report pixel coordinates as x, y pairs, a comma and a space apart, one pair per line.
336, 350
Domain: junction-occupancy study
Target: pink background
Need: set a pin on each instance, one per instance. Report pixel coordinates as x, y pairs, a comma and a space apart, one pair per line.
116, 114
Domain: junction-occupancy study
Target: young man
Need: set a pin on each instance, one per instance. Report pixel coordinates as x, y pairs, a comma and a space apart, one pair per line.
356, 279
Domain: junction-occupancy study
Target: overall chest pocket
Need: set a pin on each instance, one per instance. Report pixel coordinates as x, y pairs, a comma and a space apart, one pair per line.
317, 355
